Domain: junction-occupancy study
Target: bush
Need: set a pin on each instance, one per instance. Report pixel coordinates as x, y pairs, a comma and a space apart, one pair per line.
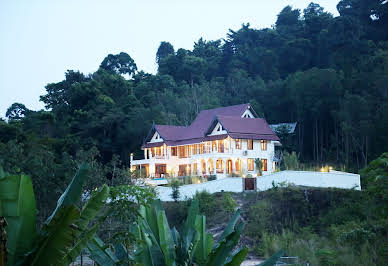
259, 166
175, 189
207, 203
212, 177
290, 161
228, 203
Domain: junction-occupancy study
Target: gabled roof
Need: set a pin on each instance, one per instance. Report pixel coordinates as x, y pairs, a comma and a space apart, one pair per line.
170, 132
197, 131
252, 128
198, 128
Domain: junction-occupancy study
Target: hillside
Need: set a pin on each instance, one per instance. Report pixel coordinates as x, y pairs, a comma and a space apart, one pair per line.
320, 226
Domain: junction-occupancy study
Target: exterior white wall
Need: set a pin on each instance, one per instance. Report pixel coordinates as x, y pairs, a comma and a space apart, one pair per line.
188, 191
311, 179
299, 178
173, 162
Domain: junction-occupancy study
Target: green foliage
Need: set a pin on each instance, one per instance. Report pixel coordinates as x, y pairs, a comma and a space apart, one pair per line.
212, 177
229, 204
65, 233
291, 161
158, 244
17, 206
175, 194
259, 166
207, 203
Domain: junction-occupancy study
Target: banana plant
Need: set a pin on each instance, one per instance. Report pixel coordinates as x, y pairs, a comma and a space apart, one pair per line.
64, 234
157, 244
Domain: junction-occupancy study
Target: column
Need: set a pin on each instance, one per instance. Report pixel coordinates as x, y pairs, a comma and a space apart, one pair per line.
224, 165
145, 153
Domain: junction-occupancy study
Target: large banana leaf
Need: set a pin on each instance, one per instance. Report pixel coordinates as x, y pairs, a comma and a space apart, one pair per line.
272, 260
166, 239
73, 192
80, 245
221, 254
205, 243
231, 225
238, 257
93, 206
58, 237
17, 205
100, 253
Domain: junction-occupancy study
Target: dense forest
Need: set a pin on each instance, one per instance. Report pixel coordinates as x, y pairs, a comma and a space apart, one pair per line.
329, 74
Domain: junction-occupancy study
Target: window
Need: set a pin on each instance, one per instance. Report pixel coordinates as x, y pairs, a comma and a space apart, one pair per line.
221, 146
263, 145
195, 169
238, 165
182, 152
214, 145
202, 148
264, 163
250, 144
194, 149
238, 144
174, 151
250, 165
219, 166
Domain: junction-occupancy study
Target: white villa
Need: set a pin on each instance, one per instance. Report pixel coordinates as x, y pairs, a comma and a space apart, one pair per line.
221, 142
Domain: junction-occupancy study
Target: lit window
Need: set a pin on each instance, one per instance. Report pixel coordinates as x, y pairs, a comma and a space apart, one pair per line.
195, 169
250, 144
174, 151
250, 165
263, 145
182, 152
238, 165
264, 163
238, 144
214, 145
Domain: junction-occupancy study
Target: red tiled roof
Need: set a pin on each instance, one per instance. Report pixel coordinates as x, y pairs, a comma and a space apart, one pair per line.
230, 118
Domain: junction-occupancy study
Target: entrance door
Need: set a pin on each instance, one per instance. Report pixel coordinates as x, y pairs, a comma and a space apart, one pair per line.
160, 170
249, 183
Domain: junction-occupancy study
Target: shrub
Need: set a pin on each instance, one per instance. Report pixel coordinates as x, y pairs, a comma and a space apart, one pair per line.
291, 161
212, 177
175, 189
207, 203
228, 203
259, 166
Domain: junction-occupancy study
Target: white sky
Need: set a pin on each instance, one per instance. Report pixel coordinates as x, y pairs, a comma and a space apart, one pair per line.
40, 40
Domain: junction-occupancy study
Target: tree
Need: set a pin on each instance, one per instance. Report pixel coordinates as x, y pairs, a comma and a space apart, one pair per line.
120, 63
165, 49
17, 111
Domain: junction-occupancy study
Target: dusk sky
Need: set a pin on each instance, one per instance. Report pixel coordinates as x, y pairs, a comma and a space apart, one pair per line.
40, 40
